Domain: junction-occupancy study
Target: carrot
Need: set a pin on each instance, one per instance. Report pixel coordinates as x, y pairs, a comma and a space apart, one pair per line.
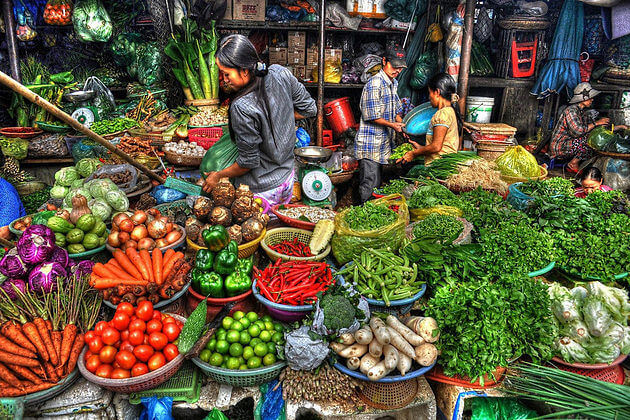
101, 283
25, 373
75, 352
157, 266
50, 371
168, 254
14, 333
31, 332
57, 338
16, 392
69, 334
146, 259
101, 270
126, 264
169, 265
133, 255
11, 347
114, 263
7, 376
17, 360
118, 272
49, 325
45, 335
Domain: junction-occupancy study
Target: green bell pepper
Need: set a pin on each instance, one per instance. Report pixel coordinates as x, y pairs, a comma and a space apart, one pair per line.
216, 238
207, 284
204, 260
225, 262
245, 266
237, 283
233, 247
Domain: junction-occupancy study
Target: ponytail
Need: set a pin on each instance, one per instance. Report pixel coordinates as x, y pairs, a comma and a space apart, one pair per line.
445, 84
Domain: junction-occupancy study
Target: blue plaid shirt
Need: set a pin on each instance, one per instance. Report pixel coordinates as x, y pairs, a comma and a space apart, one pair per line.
378, 100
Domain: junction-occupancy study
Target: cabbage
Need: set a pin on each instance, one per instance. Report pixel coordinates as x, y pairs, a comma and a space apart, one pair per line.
59, 191
100, 187
118, 200
86, 167
12, 265
43, 278
624, 344
579, 293
565, 309
578, 331
615, 334
571, 351
596, 317
77, 184
59, 255
100, 209
66, 176
36, 244
602, 350
82, 269
7, 286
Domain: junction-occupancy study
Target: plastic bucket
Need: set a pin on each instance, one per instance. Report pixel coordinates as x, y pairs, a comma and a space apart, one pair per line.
339, 115
479, 109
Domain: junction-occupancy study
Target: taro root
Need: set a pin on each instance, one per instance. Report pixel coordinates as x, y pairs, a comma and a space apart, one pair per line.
242, 209
221, 216
252, 229
193, 228
223, 193
236, 233
202, 208
243, 191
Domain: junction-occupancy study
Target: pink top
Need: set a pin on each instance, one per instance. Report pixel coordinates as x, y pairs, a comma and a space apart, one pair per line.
580, 193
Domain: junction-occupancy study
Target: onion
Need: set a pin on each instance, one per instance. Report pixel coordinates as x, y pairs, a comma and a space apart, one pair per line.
157, 228
161, 243
123, 237
139, 217
155, 213
139, 232
114, 239
173, 236
169, 227
118, 218
126, 225
129, 244
146, 243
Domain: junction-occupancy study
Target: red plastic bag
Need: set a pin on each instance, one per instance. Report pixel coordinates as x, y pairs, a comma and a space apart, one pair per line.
586, 66
58, 12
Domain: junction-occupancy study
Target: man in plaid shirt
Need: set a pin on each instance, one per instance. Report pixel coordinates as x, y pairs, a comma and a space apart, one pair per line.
381, 119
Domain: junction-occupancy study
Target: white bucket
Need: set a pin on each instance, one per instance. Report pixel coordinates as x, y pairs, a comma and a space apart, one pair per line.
479, 109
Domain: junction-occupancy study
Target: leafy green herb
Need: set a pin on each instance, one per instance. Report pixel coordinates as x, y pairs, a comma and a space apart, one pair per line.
394, 186
369, 216
442, 226
548, 187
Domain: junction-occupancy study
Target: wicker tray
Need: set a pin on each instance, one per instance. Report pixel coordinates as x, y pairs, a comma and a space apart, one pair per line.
341, 177
300, 224
156, 139
182, 160
275, 236
389, 396
616, 362
623, 156
241, 378
388, 379
47, 394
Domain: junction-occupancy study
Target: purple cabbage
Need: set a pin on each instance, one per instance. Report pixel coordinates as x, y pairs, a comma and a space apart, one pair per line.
43, 278
7, 286
82, 268
71, 264
59, 255
12, 266
36, 244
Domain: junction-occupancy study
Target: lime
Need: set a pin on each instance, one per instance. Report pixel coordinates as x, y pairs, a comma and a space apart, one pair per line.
254, 362
241, 360
245, 322
264, 336
221, 335
252, 316
254, 341
205, 355
269, 326
260, 349
245, 338
260, 324
216, 359
269, 359
242, 367
277, 337
227, 322
233, 336
212, 344
236, 325
267, 318
254, 330
221, 330
278, 327
224, 364
271, 348
222, 346
238, 315
248, 353
232, 363
236, 349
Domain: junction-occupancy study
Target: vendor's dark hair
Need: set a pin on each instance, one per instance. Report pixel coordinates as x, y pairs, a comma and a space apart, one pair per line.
237, 52
448, 90
590, 172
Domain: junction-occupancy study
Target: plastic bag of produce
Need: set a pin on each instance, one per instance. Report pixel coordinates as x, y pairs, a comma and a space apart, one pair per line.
518, 162
571, 351
100, 187
117, 200
599, 137
332, 71
220, 156
91, 21
596, 317
100, 209
88, 149
348, 243
425, 67
58, 12
166, 195
66, 176
52, 145
149, 64
124, 47
15, 148
86, 167
104, 99
500, 409
124, 175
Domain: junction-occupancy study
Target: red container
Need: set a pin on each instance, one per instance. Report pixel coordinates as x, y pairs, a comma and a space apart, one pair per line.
327, 138
205, 137
339, 115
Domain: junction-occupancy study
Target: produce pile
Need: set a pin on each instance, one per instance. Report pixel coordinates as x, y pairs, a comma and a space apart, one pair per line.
369, 217
135, 146
551, 187
143, 230
441, 226
184, 148
294, 248
307, 213
480, 173
293, 282
86, 233
209, 118
114, 125
400, 151
444, 167
325, 384
395, 186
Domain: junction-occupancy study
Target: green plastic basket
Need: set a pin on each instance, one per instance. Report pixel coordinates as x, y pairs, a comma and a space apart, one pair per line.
241, 378
11, 409
183, 386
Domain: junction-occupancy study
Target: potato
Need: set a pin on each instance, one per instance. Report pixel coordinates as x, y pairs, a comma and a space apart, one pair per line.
378, 372
376, 348
400, 343
426, 354
364, 335
411, 337
429, 330
337, 347
347, 339
355, 350
391, 356
368, 362
380, 330
413, 322
404, 363
353, 363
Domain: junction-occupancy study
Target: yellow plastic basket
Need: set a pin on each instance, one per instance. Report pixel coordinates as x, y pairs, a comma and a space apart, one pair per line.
245, 250
275, 236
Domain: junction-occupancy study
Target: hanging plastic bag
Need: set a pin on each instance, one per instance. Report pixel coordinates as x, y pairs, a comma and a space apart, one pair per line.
600, 137
58, 12
124, 48
220, 156
104, 99
518, 162
157, 408
332, 71
91, 21
149, 64
454, 46
434, 31
425, 67
25, 22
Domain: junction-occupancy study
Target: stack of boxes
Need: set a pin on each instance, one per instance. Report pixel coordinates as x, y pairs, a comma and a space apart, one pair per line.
252, 10
296, 54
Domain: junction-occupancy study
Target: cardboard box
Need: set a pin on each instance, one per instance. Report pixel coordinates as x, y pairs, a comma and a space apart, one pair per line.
228, 11
312, 55
296, 39
296, 57
335, 54
253, 10
300, 72
278, 55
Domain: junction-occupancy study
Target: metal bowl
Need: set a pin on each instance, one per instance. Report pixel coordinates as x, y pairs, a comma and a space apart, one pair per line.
79, 96
313, 154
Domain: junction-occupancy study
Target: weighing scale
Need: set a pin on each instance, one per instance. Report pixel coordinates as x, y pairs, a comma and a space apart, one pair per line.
85, 112
314, 181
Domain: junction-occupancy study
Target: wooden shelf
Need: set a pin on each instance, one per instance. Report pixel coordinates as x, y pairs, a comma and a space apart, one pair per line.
312, 85
299, 26
496, 82
47, 161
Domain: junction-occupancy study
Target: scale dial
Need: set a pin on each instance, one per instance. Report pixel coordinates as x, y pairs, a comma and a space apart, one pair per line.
316, 185
84, 115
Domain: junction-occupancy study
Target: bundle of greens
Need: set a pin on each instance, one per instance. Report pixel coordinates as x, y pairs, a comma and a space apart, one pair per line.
437, 225
443, 167
548, 188
432, 195
400, 151
370, 216
395, 186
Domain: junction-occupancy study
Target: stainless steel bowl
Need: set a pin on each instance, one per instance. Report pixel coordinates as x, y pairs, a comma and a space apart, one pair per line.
79, 96
313, 154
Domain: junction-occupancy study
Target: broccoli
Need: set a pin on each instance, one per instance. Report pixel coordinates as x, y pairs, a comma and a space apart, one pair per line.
338, 312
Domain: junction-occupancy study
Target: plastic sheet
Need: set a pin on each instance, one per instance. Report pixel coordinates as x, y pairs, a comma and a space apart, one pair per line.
303, 350
104, 99
91, 21
116, 169
599, 137
157, 408
500, 409
12, 207
215, 414
220, 156
616, 172
166, 195
339, 17
518, 162
302, 138
271, 406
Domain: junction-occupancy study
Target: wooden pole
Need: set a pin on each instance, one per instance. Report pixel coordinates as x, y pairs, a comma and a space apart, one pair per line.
9, 25
320, 79
52, 109
464, 62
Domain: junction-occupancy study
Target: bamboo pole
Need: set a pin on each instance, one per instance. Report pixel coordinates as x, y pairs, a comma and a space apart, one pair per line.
52, 109
464, 64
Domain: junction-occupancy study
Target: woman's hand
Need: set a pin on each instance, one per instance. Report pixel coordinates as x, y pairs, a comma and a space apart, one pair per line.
602, 121
397, 126
410, 155
212, 179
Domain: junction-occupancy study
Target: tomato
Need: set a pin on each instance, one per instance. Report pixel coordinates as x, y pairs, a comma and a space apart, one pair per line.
168, 320
136, 337
144, 311
171, 331
126, 345
156, 361
110, 336
107, 354
146, 339
100, 326
104, 371
88, 353
92, 363
154, 326
143, 352
124, 335
157, 315
116, 365
139, 369
170, 352
89, 336
158, 340
120, 374
137, 324
120, 321
95, 345
125, 359
125, 308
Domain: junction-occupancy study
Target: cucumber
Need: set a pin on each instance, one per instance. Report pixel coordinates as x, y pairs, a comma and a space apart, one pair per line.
193, 327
